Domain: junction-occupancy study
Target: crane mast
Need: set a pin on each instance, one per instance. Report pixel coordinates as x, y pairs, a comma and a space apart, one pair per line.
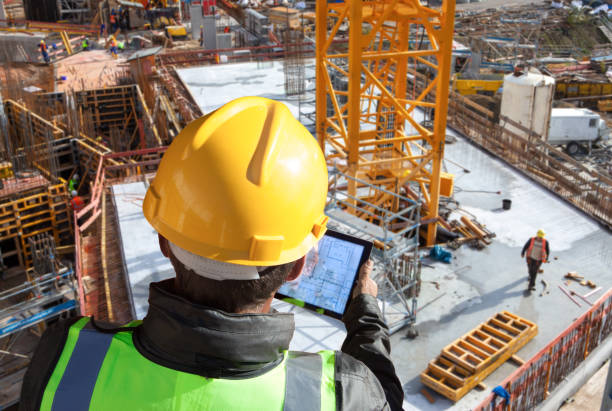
367, 116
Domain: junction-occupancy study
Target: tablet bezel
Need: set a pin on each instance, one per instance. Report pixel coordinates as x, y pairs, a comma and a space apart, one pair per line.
365, 255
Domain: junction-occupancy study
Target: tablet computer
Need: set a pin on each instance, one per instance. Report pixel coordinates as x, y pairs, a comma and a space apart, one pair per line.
329, 275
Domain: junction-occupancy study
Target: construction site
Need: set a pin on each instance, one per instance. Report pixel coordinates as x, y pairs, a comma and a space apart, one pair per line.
452, 133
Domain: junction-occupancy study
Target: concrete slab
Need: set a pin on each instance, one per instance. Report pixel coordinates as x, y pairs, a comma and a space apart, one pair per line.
457, 297
479, 283
213, 86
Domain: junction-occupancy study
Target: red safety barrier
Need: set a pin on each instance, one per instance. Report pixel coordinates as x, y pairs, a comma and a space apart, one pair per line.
531, 383
90, 213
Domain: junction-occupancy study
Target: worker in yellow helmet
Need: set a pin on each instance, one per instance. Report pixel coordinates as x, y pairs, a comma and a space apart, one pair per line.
44, 51
113, 46
237, 202
537, 251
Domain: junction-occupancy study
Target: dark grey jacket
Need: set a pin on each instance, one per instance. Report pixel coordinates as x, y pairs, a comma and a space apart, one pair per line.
181, 335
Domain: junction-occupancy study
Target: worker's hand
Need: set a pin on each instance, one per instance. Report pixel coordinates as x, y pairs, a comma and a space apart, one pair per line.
365, 285
522, 255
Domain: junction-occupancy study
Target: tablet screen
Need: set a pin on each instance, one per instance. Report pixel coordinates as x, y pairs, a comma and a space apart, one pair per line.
329, 274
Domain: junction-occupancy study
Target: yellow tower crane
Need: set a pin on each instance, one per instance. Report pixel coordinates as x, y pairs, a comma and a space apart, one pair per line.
365, 109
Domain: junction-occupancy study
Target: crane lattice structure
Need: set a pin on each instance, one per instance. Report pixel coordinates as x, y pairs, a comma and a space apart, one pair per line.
366, 112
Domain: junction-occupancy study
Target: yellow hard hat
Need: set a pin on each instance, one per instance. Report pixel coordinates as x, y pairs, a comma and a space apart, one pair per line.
541, 233
245, 184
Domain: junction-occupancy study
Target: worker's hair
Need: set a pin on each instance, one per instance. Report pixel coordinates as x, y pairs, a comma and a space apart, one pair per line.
232, 296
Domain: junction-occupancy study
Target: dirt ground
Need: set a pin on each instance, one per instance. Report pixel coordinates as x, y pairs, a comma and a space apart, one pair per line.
89, 69
589, 397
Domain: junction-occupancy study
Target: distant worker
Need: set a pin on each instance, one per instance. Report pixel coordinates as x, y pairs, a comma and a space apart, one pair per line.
235, 228
537, 251
44, 51
113, 46
113, 21
73, 183
85, 44
226, 29
519, 69
77, 202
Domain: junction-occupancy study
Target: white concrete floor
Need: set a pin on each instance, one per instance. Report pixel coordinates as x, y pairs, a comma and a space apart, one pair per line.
476, 284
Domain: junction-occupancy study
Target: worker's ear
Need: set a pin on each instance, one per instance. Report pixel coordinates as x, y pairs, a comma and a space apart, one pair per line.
163, 245
297, 269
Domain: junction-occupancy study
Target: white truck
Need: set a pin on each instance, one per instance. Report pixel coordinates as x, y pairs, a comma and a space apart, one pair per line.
576, 127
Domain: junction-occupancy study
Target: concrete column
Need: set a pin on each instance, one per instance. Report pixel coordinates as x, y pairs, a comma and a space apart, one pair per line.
210, 32
2, 14
195, 10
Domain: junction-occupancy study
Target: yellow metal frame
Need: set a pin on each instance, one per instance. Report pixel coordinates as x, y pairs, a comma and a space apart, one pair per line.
365, 125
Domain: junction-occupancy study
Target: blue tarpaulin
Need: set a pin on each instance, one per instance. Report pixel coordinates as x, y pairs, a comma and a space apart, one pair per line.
440, 254
49, 312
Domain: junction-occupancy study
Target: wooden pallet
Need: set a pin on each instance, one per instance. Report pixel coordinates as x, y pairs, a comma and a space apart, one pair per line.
467, 361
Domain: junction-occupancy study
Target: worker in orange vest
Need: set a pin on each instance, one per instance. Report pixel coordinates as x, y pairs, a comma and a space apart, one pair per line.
43, 50
77, 202
537, 251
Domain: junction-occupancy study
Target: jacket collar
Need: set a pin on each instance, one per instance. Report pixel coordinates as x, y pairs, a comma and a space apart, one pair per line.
191, 335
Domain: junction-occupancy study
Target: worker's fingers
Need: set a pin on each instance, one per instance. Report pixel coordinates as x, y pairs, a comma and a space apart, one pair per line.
365, 284
366, 269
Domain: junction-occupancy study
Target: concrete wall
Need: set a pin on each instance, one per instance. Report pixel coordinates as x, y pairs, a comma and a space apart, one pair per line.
210, 32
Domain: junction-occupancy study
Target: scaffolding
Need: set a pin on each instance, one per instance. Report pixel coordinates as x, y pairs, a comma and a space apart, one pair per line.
24, 310
395, 238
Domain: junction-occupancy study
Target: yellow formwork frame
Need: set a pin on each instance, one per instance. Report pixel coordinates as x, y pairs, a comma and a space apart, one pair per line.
364, 126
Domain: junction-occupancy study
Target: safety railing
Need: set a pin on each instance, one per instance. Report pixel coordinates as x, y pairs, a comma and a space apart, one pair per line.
136, 163
530, 384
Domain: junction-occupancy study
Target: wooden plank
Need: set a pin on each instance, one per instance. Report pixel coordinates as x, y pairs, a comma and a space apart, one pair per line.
427, 395
513, 331
496, 333
442, 373
439, 374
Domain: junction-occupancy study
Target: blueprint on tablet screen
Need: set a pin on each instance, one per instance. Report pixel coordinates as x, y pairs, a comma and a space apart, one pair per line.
328, 283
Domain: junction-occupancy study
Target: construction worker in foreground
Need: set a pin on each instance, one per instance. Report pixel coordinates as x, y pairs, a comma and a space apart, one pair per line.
537, 251
237, 203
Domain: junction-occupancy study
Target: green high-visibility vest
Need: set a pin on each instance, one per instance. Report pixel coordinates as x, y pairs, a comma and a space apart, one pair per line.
104, 371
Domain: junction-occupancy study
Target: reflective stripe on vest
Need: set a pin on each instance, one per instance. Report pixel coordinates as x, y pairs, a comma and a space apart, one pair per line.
100, 371
537, 249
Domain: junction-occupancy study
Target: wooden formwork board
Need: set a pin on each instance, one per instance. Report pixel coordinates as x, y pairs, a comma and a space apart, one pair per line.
109, 106
43, 211
467, 361
38, 126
